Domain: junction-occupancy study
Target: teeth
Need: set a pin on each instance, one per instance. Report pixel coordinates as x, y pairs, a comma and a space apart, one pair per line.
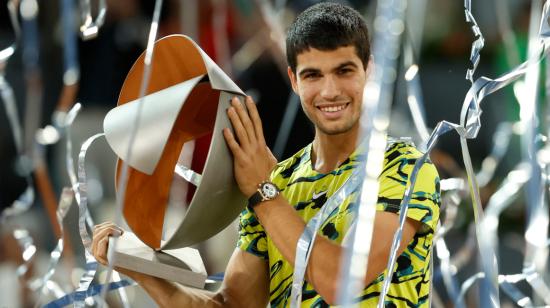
332, 108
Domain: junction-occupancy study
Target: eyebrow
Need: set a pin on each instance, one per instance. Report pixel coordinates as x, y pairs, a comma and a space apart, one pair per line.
307, 70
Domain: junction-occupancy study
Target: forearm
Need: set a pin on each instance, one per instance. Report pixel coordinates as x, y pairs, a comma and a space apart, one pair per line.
168, 294
285, 227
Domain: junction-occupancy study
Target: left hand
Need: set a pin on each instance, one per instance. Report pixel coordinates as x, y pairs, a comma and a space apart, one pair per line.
252, 159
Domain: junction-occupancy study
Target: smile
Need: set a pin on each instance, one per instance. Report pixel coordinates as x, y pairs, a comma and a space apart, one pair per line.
333, 108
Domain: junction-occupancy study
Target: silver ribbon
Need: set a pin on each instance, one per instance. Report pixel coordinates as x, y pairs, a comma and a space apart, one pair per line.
412, 79
506, 283
502, 198
82, 201
71, 71
501, 141
28, 248
188, 174
377, 98
454, 188
90, 27
291, 110
470, 125
307, 239
374, 122
447, 270
273, 21
124, 173
536, 234
468, 129
41, 284
221, 41
477, 44
506, 32
26, 199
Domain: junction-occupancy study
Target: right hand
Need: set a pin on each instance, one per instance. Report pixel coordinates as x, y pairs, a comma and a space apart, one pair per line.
100, 241
100, 247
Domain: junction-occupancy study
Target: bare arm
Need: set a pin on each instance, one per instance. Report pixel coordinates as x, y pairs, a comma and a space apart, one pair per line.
245, 283
285, 227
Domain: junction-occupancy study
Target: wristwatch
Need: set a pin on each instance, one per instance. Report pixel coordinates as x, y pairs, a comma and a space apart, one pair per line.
266, 191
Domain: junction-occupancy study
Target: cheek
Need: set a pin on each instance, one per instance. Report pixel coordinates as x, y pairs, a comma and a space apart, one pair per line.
306, 94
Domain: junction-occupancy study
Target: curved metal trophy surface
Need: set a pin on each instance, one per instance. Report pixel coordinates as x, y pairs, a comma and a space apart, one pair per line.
187, 97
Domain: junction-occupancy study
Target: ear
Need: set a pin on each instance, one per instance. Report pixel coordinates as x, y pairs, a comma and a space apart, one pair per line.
293, 80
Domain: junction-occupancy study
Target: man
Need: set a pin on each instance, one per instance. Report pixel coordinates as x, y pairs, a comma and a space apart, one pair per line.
329, 61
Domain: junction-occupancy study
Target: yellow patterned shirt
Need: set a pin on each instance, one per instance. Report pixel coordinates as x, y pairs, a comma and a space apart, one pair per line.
307, 190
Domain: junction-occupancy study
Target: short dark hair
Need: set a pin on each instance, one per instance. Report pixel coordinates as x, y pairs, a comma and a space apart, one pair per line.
327, 26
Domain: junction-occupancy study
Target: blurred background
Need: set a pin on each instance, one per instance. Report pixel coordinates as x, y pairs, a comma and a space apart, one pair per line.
52, 68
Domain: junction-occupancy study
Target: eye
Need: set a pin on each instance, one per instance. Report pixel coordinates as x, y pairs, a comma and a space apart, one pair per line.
344, 71
311, 75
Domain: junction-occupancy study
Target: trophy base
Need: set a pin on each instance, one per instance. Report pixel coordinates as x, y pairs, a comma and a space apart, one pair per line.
181, 265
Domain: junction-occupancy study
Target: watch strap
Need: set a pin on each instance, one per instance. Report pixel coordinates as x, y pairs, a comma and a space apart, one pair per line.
255, 199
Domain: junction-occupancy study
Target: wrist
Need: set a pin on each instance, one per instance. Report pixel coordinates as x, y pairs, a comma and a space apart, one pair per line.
265, 191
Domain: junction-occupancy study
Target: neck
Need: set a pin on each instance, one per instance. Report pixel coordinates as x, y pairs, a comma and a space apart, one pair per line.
329, 151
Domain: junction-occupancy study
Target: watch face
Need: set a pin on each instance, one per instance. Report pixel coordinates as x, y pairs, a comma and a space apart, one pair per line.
269, 190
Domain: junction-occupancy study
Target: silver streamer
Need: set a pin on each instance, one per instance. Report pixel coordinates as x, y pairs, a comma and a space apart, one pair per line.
506, 283
374, 123
536, 234
377, 96
307, 239
11, 111
67, 122
274, 22
508, 36
502, 198
40, 284
478, 43
33, 80
468, 129
292, 107
28, 249
470, 121
415, 24
448, 272
71, 70
501, 141
82, 201
454, 188
414, 92
124, 173
86, 222
26, 199
188, 174
221, 41
90, 27
273, 19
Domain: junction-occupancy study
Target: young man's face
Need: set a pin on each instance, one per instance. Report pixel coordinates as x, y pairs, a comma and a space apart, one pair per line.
330, 85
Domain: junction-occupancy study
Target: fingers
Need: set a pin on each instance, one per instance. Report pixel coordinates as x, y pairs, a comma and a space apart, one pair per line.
231, 142
256, 121
100, 241
245, 119
237, 117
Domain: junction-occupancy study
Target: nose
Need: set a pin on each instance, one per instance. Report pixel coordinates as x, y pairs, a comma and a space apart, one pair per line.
330, 89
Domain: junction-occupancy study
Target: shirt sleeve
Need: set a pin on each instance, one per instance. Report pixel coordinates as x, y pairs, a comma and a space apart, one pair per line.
252, 237
426, 197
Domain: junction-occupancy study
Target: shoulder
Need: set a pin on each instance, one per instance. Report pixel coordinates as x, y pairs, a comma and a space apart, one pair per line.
399, 161
404, 152
284, 169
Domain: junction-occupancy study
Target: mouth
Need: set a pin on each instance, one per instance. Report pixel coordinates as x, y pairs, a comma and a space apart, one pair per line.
332, 108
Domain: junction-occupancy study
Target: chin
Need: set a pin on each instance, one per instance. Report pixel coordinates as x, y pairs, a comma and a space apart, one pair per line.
335, 130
